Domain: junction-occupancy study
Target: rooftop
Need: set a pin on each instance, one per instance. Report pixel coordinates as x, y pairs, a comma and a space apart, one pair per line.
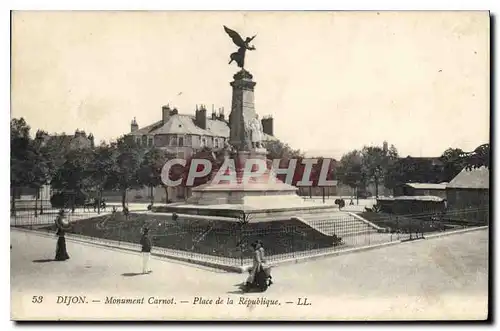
427, 186
185, 124
478, 178
414, 198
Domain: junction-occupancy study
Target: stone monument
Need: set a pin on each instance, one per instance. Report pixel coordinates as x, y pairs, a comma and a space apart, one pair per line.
263, 193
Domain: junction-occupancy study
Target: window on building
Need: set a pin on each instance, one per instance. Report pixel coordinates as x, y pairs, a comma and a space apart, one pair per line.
181, 141
203, 142
216, 142
138, 140
188, 141
144, 141
172, 140
150, 141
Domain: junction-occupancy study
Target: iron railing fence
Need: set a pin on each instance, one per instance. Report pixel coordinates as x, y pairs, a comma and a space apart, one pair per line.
229, 242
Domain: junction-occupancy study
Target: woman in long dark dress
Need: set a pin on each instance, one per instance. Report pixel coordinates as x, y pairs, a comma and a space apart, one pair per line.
62, 224
259, 263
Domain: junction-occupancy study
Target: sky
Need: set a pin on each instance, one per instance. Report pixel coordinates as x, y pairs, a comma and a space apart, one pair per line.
333, 81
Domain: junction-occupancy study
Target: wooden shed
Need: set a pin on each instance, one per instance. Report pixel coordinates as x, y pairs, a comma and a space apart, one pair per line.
468, 196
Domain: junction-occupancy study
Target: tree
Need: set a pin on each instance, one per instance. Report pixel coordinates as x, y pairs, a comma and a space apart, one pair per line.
452, 163
377, 162
29, 162
216, 160
316, 173
350, 170
128, 159
19, 158
150, 169
101, 169
276, 149
478, 158
75, 175
40, 166
414, 170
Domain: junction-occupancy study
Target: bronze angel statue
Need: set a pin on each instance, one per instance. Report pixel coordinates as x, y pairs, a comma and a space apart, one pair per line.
244, 45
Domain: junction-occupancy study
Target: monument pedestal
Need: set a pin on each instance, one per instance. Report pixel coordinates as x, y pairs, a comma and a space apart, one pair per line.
264, 194
246, 191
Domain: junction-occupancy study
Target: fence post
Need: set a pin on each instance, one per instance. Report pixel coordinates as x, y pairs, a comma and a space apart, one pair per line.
241, 242
397, 226
410, 228
242, 222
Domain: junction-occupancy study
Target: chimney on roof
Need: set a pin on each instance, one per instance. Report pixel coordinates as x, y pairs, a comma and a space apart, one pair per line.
214, 114
385, 146
201, 117
165, 113
221, 114
267, 125
91, 138
134, 126
79, 133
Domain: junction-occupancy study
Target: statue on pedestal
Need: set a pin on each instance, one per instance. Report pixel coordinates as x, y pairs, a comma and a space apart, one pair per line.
256, 132
244, 45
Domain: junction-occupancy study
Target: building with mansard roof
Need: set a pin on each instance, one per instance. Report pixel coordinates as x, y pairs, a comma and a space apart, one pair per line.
184, 134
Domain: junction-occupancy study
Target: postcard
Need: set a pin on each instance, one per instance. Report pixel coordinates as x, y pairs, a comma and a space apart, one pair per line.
176, 165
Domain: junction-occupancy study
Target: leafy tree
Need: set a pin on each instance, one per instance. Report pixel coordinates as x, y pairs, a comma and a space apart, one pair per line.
216, 160
453, 163
75, 175
101, 169
276, 149
40, 165
414, 170
478, 158
29, 161
316, 173
350, 170
19, 158
128, 159
377, 162
150, 169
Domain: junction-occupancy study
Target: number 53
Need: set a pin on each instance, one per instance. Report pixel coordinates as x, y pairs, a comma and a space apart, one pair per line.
37, 299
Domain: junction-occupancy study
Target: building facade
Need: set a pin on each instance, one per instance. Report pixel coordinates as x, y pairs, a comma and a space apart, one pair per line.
183, 135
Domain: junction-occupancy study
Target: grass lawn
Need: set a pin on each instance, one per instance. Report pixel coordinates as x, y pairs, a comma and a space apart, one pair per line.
403, 223
217, 238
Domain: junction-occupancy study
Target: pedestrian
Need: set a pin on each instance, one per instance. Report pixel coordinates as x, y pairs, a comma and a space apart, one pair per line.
259, 262
62, 225
146, 250
265, 266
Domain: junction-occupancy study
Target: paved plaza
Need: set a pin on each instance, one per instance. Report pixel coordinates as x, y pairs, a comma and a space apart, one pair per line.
440, 278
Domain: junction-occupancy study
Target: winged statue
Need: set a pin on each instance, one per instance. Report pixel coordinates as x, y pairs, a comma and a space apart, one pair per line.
243, 46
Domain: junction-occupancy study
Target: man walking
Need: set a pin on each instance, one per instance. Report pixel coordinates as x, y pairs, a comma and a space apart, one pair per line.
146, 250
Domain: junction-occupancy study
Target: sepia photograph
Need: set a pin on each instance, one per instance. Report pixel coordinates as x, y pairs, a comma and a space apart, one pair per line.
250, 165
